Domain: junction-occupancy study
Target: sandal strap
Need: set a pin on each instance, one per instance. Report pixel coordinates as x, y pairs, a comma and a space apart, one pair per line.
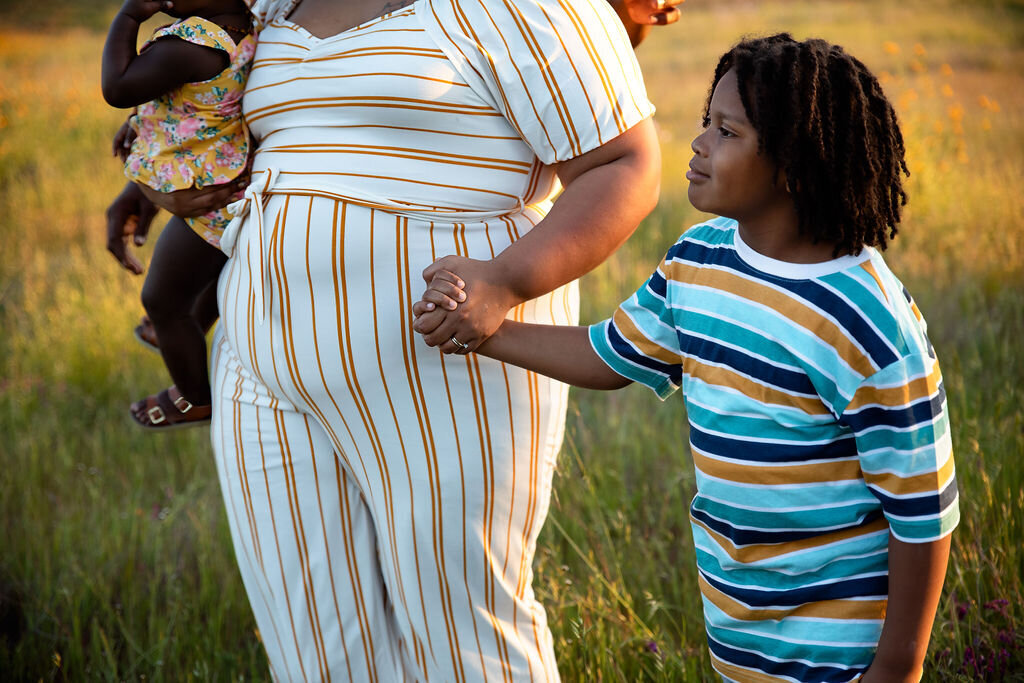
182, 404
156, 415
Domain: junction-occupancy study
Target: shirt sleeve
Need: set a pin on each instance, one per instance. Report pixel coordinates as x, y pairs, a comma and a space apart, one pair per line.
562, 72
265, 11
640, 341
901, 426
198, 31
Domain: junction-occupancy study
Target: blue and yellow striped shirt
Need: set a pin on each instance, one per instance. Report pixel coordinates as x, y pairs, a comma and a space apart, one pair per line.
818, 426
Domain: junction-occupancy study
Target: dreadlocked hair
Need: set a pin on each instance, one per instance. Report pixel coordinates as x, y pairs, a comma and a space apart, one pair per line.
823, 120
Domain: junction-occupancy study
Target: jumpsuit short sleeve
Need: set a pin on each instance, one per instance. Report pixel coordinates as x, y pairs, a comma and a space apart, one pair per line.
265, 11
563, 73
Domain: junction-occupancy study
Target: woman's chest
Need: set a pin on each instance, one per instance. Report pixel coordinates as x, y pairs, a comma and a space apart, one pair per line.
387, 72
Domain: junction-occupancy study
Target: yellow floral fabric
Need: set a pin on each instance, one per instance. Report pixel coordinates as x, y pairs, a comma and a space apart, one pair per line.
195, 136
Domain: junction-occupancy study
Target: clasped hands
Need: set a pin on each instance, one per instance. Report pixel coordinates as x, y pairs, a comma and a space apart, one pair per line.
466, 300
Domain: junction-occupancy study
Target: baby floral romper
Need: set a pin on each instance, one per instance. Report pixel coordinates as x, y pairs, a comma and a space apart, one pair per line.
195, 136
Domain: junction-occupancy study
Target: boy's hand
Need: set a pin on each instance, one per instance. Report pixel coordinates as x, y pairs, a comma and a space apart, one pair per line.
140, 10
129, 215
487, 301
444, 293
123, 139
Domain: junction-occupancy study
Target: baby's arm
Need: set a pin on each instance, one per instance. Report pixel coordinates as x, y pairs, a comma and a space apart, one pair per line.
129, 78
559, 351
916, 573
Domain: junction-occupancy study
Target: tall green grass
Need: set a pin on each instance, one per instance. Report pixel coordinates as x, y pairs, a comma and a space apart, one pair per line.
115, 561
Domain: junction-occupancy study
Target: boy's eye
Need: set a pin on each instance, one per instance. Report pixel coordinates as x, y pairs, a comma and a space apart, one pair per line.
725, 132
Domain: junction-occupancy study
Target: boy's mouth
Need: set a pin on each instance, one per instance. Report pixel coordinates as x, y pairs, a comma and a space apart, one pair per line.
695, 174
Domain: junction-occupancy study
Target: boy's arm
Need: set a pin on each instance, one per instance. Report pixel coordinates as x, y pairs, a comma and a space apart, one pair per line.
916, 574
558, 351
130, 79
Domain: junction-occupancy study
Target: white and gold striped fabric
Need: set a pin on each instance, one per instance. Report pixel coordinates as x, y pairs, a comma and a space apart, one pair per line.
385, 500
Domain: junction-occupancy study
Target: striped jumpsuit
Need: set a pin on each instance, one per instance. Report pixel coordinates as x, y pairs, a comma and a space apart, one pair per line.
384, 500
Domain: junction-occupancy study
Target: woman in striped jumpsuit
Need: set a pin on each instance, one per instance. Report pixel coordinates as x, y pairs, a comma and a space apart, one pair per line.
385, 500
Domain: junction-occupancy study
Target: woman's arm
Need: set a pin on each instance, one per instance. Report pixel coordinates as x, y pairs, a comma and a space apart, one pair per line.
916, 574
129, 78
562, 352
608, 191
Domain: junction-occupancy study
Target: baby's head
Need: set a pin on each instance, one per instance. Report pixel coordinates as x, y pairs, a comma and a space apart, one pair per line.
825, 126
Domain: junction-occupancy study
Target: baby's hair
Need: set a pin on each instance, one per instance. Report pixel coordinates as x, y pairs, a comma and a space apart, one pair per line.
823, 120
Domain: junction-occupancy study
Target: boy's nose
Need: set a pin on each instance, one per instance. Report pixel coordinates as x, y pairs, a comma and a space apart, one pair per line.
698, 145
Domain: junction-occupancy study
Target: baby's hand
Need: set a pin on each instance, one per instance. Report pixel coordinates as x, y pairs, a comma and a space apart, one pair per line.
123, 139
140, 10
444, 293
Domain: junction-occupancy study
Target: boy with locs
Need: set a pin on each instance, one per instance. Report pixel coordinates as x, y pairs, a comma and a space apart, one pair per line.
826, 488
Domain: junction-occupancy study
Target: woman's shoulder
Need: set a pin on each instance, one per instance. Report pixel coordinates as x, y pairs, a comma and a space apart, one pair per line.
266, 11
536, 19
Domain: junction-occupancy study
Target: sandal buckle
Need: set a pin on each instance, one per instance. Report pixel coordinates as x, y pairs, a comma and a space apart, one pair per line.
156, 415
182, 404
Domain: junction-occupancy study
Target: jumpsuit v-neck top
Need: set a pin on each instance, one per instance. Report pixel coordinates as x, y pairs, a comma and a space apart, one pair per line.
385, 500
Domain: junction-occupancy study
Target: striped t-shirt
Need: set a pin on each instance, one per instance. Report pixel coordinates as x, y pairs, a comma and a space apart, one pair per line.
818, 426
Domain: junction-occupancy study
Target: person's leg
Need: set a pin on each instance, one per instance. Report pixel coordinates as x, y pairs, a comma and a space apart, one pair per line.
204, 311
455, 457
304, 538
183, 268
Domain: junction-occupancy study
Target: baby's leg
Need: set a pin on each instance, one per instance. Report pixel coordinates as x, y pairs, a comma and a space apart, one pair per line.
183, 268
205, 308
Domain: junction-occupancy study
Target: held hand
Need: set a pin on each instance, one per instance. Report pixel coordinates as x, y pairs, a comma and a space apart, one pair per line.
140, 10
123, 139
193, 202
130, 214
653, 12
487, 301
444, 293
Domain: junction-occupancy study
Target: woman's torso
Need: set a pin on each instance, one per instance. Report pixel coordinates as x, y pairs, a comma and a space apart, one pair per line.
378, 114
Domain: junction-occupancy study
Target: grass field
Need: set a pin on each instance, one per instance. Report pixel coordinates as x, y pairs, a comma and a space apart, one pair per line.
115, 560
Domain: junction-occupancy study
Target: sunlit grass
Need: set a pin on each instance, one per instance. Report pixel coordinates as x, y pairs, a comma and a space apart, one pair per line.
117, 560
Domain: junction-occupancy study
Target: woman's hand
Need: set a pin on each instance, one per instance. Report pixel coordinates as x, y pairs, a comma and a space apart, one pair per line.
192, 202
129, 215
468, 306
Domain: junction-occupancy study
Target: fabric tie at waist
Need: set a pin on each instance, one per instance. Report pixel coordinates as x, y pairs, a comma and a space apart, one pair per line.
260, 186
267, 182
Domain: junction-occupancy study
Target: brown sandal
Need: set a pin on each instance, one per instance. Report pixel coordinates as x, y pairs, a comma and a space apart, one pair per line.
169, 410
146, 335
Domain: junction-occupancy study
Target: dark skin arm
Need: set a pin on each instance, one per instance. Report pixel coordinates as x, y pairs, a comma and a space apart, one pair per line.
608, 191
916, 574
130, 79
129, 215
562, 352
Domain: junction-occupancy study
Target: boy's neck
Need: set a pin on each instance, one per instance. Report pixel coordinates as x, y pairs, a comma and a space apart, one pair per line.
779, 238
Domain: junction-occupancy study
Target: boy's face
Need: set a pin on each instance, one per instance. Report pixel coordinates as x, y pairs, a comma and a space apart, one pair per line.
727, 175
